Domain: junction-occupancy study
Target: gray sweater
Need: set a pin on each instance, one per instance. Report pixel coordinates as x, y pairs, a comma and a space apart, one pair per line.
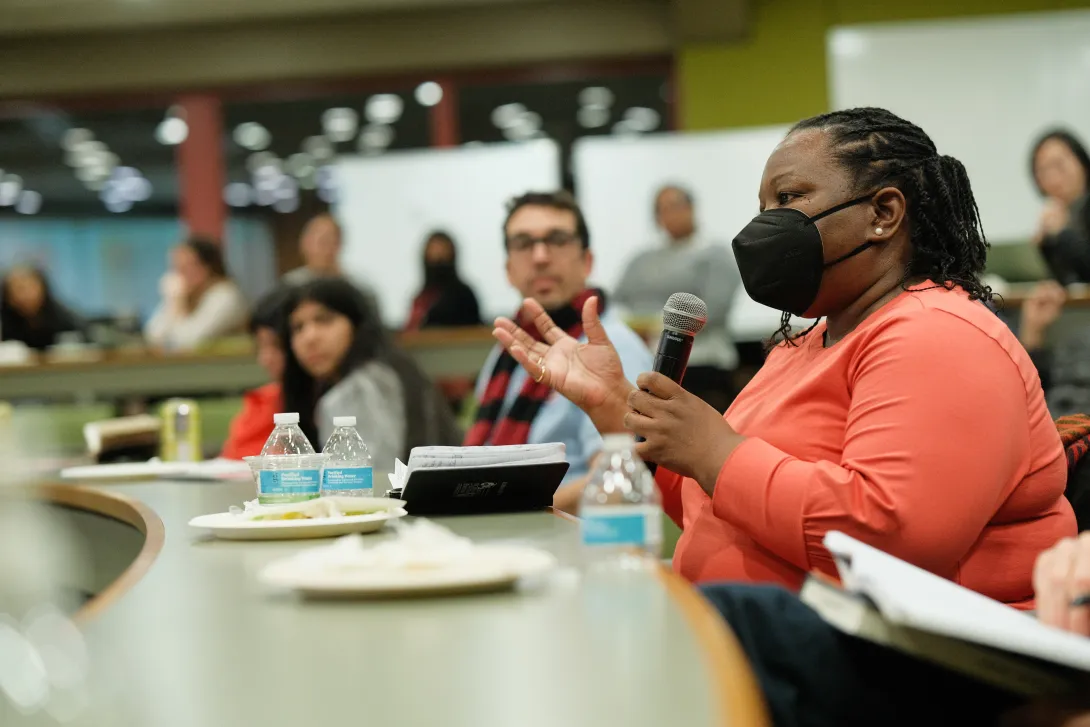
705, 269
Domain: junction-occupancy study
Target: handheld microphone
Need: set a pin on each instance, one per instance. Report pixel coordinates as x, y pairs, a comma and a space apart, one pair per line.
683, 316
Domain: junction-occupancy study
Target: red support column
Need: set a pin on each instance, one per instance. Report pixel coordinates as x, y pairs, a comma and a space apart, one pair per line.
201, 167
444, 117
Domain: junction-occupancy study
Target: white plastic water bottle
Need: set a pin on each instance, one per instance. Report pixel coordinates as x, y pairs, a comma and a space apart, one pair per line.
347, 469
290, 470
621, 510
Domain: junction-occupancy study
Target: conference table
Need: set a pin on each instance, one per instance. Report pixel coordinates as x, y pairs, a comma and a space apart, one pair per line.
183, 623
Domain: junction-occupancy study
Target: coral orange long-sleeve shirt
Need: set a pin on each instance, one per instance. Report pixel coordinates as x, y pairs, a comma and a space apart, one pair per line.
923, 432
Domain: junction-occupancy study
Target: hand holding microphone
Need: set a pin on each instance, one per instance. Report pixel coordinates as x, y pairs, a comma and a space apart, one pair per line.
676, 429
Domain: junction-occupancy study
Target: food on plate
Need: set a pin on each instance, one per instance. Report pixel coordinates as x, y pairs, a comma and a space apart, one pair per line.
322, 507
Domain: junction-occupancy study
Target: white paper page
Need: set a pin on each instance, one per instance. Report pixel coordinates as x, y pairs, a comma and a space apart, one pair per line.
447, 457
913, 597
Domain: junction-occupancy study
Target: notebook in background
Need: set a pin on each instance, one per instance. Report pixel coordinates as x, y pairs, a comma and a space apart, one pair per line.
891, 602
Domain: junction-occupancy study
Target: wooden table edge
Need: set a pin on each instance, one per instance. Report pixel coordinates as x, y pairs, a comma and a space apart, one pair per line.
123, 509
738, 695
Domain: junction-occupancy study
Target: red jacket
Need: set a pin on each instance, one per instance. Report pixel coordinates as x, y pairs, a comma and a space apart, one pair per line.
253, 425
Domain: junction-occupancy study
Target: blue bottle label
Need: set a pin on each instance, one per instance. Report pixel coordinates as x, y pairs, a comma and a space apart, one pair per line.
288, 485
346, 478
620, 525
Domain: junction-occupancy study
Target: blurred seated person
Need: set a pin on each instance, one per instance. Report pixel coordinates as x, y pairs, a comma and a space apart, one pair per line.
320, 246
684, 261
200, 302
254, 423
445, 300
30, 313
1061, 170
815, 675
340, 361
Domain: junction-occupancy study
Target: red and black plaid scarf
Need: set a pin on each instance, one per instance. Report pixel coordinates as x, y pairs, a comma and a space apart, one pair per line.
1075, 434
514, 428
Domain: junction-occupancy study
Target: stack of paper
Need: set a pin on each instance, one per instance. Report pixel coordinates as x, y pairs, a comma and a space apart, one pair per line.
473, 457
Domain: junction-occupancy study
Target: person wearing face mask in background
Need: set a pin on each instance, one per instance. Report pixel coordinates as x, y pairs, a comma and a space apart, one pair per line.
445, 300
909, 417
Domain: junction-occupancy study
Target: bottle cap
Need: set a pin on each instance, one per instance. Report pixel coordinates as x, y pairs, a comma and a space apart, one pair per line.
286, 418
614, 442
344, 421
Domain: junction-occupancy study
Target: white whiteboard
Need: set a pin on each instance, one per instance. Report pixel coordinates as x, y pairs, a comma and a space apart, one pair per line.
617, 178
983, 89
388, 204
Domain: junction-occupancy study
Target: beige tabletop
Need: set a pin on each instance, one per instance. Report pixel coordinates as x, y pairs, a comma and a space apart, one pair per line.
197, 641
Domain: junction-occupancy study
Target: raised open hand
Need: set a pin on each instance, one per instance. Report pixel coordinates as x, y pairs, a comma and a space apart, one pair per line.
588, 374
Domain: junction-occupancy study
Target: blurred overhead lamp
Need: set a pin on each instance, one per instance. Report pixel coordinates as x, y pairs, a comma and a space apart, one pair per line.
624, 128
643, 119
10, 187
252, 135
384, 108
74, 137
340, 124
286, 205
171, 131
592, 117
262, 160
29, 203
599, 96
237, 194
507, 115
428, 93
375, 138
318, 147
300, 164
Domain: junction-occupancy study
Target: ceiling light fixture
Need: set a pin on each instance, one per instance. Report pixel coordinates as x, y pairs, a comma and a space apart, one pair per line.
171, 131
29, 203
252, 135
384, 108
340, 124
428, 93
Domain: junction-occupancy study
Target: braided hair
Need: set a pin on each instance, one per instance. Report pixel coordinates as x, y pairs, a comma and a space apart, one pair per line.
879, 148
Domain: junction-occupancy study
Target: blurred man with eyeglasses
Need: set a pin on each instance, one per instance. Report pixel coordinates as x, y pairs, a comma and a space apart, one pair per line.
549, 260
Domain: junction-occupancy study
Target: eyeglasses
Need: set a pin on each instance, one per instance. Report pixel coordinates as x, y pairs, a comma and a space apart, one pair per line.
554, 240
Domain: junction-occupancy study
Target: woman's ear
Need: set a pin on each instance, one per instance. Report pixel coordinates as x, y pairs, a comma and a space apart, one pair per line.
889, 213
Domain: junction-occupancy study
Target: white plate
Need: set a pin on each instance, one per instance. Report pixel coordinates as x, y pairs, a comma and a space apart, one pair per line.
232, 527
493, 567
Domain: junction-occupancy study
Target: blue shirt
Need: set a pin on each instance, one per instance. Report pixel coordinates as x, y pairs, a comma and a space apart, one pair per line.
558, 420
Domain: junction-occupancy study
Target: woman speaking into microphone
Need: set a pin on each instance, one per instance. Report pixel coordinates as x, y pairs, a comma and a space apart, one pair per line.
908, 416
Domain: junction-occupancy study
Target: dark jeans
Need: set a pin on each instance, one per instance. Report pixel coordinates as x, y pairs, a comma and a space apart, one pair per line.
813, 675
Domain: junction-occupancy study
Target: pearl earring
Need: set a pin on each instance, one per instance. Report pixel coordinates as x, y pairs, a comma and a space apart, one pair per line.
878, 230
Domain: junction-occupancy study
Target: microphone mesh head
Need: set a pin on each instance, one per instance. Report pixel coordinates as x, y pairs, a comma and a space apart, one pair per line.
685, 313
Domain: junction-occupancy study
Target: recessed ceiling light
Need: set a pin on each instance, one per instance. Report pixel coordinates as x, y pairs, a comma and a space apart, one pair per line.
596, 96
252, 135
74, 137
340, 124
375, 138
237, 194
171, 131
428, 93
507, 115
384, 108
262, 160
641, 118
624, 128
300, 164
286, 205
10, 187
318, 147
592, 117
29, 203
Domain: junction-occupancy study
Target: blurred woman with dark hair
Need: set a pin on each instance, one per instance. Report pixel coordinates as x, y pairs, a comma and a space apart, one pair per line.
341, 362
445, 299
29, 312
1061, 171
200, 301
